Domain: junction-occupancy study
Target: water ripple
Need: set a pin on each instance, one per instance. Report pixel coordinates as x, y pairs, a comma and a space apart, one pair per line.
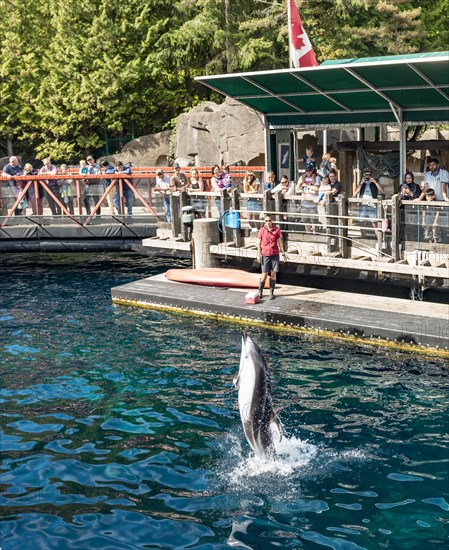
120, 427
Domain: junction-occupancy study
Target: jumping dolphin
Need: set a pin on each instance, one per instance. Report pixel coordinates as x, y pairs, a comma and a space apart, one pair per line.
261, 424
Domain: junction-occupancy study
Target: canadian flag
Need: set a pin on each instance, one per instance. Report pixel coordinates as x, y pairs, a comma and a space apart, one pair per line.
301, 51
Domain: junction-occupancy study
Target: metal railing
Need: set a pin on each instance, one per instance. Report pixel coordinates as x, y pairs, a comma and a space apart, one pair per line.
381, 228
76, 197
80, 198
378, 227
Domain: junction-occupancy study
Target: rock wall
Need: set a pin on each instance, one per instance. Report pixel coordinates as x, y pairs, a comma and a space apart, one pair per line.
152, 150
220, 134
231, 133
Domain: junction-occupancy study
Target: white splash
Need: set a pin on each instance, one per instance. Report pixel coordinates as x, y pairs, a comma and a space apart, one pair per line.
292, 454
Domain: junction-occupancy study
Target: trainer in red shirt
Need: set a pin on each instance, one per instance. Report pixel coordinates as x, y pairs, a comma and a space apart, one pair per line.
269, 244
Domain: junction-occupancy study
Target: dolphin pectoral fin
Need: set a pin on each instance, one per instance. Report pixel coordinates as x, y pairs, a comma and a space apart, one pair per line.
236, 381
275, 427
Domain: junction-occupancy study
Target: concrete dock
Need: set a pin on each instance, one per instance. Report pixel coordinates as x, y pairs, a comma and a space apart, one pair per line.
405, 324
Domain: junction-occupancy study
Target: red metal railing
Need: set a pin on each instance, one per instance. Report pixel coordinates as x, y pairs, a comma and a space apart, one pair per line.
116, 180
119, 180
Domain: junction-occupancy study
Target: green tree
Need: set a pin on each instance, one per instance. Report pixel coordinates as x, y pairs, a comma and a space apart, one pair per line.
435, 25
98, 82
21, 46
97, 67
67, 113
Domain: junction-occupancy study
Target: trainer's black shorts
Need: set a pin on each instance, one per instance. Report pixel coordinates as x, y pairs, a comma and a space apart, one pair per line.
270, 263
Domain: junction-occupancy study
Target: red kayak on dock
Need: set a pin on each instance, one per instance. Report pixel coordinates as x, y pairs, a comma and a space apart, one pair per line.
216, 276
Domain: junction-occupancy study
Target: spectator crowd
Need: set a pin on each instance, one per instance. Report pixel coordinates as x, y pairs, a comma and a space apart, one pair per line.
60, 192
315, 188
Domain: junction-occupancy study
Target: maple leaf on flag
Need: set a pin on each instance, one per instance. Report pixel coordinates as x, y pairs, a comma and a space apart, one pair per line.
299, 42
301, 50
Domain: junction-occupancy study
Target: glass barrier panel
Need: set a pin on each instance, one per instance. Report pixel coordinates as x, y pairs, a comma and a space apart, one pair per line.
254, 211
201, 206
424, 223
292, 219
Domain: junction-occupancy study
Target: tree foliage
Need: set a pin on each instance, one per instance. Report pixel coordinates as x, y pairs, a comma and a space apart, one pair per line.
73, 71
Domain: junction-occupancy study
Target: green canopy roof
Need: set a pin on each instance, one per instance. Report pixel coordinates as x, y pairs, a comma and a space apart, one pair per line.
349, 92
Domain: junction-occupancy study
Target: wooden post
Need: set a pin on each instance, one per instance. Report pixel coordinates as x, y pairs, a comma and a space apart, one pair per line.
150, 191
175, 214
235, 205
279, 203
267, 202
396, 227
78, 194
345, 167
184, 200
343, 226
278, 207
379, 215
331, 220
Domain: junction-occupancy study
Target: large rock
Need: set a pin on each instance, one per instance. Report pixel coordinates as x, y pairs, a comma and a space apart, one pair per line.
152, 150
220, 134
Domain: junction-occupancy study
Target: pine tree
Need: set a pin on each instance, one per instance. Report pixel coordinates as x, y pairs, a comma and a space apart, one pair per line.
67, 111
21, 44
360, 28
435, 25
96, 67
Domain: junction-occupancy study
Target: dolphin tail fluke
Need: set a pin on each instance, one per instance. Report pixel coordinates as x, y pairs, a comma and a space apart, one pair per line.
275, 427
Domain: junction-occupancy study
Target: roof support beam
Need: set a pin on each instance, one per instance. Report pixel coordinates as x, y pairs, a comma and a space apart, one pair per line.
337, 92
266, 134
402, 148
320, 91
397, 113
372, 87
427, 79
270, 93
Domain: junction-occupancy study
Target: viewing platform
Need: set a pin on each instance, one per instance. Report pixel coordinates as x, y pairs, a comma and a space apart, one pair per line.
394, 247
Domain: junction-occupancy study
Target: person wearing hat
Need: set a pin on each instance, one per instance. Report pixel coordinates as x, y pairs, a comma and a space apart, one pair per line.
178, 181
163, 186
251, 186
94, 187
93, 167
368, 189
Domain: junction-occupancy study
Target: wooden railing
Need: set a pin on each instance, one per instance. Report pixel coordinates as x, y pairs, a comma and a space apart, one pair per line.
383, 228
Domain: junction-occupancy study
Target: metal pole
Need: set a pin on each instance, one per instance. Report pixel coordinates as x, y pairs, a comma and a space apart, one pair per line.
359, 139
227, 5
324, 142
290, 43
266, 133
402, 147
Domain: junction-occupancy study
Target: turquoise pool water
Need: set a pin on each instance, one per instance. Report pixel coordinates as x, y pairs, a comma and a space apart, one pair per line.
120, 428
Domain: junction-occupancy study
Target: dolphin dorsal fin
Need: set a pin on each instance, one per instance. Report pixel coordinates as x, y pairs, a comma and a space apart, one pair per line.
275, 427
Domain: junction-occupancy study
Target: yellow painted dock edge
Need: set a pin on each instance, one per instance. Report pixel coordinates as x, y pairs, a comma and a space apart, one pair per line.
350, 338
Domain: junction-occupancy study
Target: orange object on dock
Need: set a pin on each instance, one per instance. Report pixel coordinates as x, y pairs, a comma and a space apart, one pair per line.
216, 276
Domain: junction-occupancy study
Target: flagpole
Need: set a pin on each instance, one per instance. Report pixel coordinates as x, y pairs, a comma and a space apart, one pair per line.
290, 44
290, 55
